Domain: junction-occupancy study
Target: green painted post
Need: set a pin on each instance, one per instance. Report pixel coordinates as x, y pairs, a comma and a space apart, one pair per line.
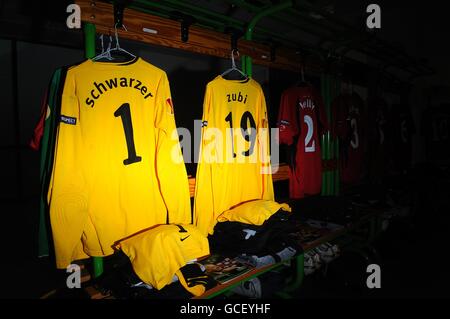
299, 276
89, 45
247, 60
244, 64
89, 40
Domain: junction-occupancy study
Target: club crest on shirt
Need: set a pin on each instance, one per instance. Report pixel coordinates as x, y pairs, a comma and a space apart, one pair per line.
283, 124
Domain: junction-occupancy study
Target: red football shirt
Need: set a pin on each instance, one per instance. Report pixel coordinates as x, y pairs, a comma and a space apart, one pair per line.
300, 120
35, 141
348, 115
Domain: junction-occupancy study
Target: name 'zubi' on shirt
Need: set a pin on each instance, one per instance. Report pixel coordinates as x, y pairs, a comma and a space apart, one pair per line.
236, 168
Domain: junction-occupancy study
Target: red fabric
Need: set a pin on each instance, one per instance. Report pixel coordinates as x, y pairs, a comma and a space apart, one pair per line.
35, 141
349, 126
301, 118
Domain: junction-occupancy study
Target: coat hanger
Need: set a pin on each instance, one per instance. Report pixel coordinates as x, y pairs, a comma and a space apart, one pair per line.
117, 49
106, 54
233, 66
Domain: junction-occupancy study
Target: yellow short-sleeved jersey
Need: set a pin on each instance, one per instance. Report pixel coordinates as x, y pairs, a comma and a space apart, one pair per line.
254, 212
234, 164
158, 254
118, 166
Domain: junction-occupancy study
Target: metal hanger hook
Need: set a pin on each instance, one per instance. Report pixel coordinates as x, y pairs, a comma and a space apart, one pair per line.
117, 35
233, 63
101, 41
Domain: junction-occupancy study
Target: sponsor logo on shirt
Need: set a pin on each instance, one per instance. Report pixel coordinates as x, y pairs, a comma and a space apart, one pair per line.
183, 239
68, 120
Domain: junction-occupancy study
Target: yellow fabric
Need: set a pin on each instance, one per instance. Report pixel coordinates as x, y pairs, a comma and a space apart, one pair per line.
95, 195
254, 212
224, 180
158, 253
196, 290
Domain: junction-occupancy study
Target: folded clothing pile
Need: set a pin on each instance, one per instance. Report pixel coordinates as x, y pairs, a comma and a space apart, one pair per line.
258, 231
157, 262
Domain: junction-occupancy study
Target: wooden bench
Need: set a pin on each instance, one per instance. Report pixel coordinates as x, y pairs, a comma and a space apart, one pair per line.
344, 234
297, 262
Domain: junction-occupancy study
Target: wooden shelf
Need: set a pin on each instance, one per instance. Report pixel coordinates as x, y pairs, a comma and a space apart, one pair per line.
281, 173
167, 33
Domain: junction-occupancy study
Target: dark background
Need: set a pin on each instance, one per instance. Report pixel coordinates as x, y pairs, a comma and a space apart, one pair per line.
34, 42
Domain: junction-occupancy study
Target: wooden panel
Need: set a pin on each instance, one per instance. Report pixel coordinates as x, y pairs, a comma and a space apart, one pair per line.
168, 34
282, 173
192, 186
203, 41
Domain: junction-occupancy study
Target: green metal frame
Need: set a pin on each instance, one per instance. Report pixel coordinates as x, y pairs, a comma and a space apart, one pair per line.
327, 30
330, 88
205, 18
247, 60
299, 275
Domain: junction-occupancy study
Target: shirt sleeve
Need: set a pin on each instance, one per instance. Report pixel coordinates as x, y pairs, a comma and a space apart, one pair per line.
264, 146
204, 201
35, 141
170, 168
66, 193
287, 119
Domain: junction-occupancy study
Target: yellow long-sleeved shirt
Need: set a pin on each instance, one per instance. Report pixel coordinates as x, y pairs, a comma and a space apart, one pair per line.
234, 164
118, 166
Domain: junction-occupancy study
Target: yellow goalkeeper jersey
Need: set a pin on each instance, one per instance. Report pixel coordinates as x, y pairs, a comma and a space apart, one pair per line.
118, 166
157, 254
234, 164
